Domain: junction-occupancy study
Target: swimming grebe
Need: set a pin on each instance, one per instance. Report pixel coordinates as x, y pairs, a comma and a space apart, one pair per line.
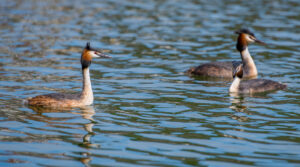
253, 85
86, 96
224, 69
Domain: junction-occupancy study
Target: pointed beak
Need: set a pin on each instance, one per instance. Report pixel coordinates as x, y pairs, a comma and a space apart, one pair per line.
260, 42
101, 55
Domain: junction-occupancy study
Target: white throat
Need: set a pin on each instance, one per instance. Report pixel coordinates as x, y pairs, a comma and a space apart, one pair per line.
235, 85
248, 64
87, 96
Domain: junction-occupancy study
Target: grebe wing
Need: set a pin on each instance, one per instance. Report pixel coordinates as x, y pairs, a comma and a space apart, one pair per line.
55, 97
261, 85
60, 96
52, 98
214, 69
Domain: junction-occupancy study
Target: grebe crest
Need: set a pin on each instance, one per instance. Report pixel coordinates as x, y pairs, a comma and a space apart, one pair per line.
253, 85
84, 98
245, 37
224, 69
237, 70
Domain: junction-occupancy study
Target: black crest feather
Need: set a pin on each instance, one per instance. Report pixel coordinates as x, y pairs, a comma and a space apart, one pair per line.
245, 31
88, 46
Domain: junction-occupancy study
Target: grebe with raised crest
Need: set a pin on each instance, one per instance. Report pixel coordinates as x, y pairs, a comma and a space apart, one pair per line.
224, 69
252, 85
84, 98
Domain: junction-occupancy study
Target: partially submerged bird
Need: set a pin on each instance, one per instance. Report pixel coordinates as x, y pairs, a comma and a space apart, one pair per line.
253, 85
224, 69
86, 96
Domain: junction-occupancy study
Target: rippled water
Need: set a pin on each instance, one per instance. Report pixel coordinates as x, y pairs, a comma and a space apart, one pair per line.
147, 112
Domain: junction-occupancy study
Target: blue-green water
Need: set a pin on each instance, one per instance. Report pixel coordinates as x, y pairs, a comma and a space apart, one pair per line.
147, 112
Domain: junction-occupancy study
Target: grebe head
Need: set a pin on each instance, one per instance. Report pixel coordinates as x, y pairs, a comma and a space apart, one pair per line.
89, 53
245, 37
237, 71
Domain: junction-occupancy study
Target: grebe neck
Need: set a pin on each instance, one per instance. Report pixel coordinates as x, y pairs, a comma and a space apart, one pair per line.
235, 85
248, 63
87, 93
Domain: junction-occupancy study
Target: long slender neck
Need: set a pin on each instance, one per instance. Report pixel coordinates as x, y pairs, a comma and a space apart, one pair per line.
235, 85
248, 64
87, 96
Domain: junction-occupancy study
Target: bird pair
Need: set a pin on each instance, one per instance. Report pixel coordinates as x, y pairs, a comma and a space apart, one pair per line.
239, 69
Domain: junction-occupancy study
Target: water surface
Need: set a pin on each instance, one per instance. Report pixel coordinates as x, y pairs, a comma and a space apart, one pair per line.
147, 112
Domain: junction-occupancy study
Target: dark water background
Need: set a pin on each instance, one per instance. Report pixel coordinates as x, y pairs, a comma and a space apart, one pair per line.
147, 112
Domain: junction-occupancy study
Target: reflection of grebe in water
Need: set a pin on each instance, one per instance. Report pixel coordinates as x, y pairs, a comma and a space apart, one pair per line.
237, 104
87, 113
224, 69
86, 97
253, 85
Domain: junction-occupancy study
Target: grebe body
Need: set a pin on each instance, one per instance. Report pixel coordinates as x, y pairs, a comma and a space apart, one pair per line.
253, 85
213, 69
224, 69
84, 98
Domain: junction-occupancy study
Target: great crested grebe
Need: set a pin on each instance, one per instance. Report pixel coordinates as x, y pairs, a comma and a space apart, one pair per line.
86, 96
253, 85
224, 69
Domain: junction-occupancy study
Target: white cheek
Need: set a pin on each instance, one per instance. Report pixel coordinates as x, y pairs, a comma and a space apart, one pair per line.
94, 54
249, 39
